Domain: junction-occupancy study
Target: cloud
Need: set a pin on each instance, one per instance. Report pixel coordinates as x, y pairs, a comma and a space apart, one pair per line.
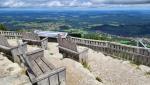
54, 4
87, 4
13, 3
73, 3
69, 3
121, 1
76, 3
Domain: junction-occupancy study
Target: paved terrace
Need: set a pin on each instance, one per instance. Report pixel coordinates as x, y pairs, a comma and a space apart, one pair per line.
108, 70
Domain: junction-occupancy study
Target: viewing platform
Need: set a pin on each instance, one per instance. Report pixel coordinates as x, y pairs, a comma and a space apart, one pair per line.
109, 63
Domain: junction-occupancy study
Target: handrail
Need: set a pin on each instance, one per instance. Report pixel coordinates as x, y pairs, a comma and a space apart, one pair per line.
11, 34
137, 54
133, 53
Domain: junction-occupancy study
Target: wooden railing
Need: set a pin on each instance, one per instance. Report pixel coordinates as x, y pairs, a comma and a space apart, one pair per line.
138, 55
11, 34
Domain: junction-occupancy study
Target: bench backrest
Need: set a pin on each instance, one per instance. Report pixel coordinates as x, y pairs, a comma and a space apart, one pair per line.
30, 36
3, 41
35, 54
67, 43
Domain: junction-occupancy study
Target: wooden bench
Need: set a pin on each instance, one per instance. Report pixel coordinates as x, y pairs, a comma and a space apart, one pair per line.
42, 72
11, 51
69, 50
34, 39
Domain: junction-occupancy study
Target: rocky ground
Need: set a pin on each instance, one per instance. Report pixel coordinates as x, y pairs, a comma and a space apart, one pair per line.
76, 73
101, 70
11, 73
108, 70
117, 72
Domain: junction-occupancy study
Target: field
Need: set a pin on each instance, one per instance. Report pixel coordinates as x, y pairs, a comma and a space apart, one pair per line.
131, 23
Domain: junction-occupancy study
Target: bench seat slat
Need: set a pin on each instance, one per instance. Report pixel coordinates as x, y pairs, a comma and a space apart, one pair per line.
42, 65
51, 66
44, 68
36, 68
38, 72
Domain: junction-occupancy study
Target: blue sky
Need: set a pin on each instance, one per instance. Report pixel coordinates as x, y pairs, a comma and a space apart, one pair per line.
73, 3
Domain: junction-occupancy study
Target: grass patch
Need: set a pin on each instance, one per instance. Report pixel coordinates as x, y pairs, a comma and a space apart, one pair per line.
147, 73
51, 53
138, 68
85, 65
23, 71
98, 79
134, 63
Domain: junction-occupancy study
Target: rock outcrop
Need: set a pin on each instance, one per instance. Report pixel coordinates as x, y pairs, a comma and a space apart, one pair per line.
11, 73
76, 73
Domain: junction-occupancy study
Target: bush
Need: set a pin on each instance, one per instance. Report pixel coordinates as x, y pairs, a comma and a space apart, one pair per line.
147, 73
98, 79
2, 27
92, 36
85, 65
95, 36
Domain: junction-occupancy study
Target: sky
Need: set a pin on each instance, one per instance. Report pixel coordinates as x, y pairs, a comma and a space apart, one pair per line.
72, 3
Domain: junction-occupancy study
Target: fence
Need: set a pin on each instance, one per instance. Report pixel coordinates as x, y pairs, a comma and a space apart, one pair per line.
138, 55
11, 34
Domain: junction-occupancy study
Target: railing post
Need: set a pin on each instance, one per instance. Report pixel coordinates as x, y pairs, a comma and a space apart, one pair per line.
10, 34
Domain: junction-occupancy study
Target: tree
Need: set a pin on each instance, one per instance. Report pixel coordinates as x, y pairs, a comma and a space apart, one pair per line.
2, 27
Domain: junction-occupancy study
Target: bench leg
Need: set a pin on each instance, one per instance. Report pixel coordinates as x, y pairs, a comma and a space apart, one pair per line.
16, 53
44, 46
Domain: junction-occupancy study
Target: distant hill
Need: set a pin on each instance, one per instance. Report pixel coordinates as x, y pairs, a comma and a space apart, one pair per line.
124, 30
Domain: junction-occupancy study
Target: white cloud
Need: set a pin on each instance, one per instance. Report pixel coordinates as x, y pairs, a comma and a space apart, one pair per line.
69, 3
98, 1
54, 4
13, 3
120, 1
73, 3
87, 4
76, 3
